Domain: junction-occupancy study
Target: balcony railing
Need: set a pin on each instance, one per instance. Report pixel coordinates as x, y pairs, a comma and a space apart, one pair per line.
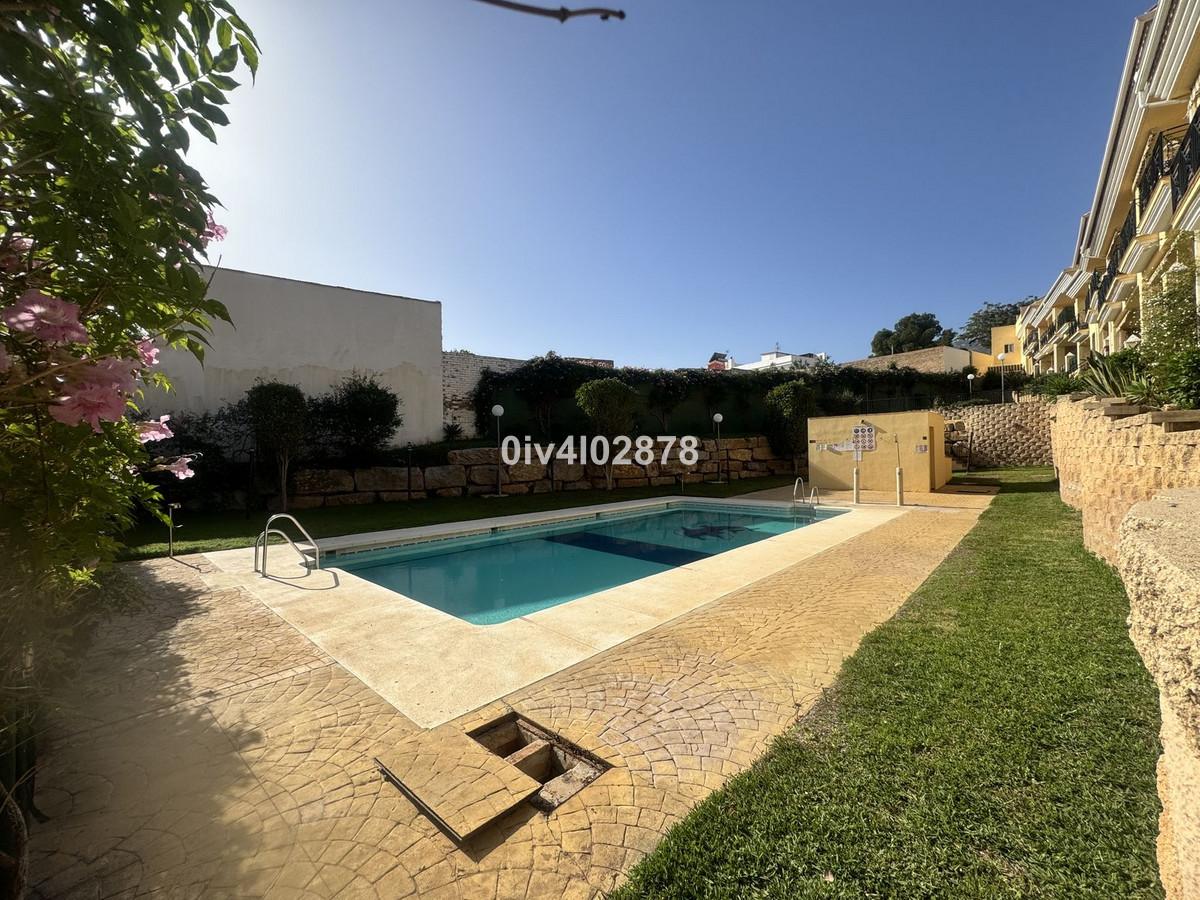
1187, 161
1174, 155
1158, 163
1065, 317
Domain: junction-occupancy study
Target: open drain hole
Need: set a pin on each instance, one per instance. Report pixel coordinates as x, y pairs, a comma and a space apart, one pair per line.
562, 768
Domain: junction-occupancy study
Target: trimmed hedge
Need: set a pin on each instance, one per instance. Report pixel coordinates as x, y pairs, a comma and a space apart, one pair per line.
539, 397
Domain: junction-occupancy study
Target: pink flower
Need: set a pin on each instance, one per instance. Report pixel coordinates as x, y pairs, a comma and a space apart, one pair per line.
46, 317
147, 352
89, 402
212, 231
154, 430
11, 258
180, 468
109, 372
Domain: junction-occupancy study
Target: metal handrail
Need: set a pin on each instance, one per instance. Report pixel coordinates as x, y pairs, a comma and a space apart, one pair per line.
814, 496
798, 489
265, 540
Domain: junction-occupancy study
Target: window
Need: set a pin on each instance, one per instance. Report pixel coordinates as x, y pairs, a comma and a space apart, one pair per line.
1009, 348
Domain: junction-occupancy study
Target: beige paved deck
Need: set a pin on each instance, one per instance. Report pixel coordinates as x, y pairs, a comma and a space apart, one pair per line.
433, 667
210, 750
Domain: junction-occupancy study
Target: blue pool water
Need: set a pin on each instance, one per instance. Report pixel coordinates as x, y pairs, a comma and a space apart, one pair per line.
491, 578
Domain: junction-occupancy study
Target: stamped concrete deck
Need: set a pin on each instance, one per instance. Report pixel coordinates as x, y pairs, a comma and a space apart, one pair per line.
433, 667
209, 749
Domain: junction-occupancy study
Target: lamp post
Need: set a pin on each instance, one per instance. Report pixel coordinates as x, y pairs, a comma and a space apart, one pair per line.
717, 420
971, 385
498, 411
408, 475
1000, 359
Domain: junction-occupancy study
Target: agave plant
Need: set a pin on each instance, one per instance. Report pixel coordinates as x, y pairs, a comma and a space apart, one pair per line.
1118, 375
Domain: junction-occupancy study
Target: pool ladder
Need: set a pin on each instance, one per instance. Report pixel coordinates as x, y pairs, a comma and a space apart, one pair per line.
312, 552
814, 495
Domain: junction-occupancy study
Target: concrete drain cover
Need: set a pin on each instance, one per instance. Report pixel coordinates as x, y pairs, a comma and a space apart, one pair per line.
454, 780
562, 768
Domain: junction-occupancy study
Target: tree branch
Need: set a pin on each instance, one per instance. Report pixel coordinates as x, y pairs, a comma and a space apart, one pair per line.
562, 13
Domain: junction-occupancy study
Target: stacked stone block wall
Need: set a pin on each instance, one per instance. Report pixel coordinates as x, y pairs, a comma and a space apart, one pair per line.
1159, 561
1006, 434
473, 471
1136, 480
1107, 464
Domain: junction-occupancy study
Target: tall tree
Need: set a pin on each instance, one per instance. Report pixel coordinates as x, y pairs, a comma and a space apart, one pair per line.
978, 330
916, 331
611, 406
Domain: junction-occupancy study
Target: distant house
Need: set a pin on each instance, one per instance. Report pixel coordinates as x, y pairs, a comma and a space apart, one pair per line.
777, 359
720, 362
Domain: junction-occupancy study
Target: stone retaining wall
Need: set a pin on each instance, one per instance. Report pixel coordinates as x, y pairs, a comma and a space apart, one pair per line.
1006, 434
1159, 561
1135, 476
473, 471
1109, 459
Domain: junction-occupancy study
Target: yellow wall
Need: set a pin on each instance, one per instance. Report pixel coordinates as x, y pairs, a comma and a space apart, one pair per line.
831, 468
1006, 334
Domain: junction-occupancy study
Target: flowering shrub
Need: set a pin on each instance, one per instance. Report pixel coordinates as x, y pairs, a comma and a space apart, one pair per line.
103, 228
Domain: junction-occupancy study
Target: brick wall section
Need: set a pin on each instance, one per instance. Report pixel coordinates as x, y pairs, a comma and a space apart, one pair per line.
1106, 465
473, 471
1159, 561
460, 373
1006, 434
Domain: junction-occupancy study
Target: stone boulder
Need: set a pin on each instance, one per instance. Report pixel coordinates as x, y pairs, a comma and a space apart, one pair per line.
482, 475
322, 481
523, 472
438, 478
472, 456
388, 478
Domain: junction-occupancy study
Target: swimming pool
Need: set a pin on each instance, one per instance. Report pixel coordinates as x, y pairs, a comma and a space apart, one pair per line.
490, 578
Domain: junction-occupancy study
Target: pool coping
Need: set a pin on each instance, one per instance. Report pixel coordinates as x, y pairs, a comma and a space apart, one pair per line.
433, 667
396, 537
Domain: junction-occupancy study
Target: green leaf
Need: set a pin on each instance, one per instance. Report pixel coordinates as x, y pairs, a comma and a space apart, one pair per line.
249, 53
202, 126
224, 82
241, 26
165, 68
212, 113
224, 34
211, 92
189, 64
180, 135
226, 60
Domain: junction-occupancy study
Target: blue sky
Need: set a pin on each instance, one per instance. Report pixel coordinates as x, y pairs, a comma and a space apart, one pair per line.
701, 176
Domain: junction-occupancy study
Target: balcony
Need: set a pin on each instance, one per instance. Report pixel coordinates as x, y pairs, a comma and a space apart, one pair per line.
1157, 164
1187, 161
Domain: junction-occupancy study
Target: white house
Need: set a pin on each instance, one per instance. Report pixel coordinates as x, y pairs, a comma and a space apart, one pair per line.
777, 359
312, 335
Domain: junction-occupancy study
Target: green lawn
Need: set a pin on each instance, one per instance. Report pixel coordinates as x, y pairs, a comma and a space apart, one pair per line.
997, 738
201, 532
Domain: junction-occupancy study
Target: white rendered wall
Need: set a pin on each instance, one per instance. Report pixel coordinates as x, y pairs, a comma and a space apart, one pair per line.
312, 335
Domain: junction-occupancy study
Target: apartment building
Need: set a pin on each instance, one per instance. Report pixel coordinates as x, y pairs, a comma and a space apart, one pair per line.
1145, 207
